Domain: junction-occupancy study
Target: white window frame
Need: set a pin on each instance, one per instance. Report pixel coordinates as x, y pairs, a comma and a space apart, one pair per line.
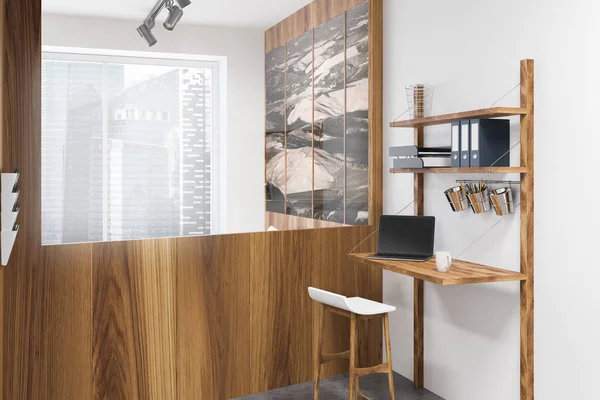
217, 64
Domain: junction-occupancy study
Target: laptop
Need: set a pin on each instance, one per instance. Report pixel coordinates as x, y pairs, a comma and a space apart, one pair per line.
405, 238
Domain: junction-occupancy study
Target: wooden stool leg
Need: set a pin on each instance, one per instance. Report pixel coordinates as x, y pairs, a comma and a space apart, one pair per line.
388, 352
353, 354
319, 352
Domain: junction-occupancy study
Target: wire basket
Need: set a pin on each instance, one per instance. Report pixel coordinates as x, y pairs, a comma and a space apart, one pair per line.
419, 98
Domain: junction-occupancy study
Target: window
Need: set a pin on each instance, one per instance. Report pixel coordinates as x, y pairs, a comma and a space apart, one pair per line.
128, 148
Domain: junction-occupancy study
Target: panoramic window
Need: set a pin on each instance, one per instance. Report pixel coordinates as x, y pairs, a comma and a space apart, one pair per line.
128, 148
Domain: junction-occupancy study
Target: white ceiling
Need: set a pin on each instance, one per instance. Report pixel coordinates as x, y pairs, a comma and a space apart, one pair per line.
241, 13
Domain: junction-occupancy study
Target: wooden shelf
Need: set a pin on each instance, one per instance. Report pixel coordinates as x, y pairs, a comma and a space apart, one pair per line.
461, 272
482, 170
495, 112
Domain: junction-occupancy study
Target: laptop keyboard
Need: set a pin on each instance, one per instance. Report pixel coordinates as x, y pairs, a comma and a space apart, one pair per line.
400, 257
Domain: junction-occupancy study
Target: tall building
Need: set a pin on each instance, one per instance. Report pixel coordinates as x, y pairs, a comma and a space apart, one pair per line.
143, 129
196, 145
157, 161
55, 96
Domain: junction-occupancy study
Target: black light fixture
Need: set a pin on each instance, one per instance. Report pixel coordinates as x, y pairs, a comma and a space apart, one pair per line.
175, 14
146, 33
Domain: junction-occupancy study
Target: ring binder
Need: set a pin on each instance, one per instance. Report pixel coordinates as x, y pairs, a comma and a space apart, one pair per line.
455, 154
465, 144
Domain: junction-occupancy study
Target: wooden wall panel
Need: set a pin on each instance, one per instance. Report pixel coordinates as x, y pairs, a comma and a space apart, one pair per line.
213, 317
133, 320
286, 222
24, 282
309, 17
66, 324
203, 317
281, 352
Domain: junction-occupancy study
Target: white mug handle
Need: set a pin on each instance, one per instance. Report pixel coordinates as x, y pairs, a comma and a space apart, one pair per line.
449, 261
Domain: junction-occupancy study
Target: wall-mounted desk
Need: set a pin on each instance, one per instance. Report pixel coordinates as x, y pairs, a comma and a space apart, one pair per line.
461, 272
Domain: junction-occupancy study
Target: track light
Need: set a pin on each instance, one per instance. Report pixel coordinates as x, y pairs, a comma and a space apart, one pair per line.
146, 33
175, 14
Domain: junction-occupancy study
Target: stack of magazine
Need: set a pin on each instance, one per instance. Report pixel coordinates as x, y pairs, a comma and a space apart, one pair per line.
421, 157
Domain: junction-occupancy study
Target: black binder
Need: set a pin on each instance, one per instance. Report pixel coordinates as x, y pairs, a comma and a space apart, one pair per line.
490, 143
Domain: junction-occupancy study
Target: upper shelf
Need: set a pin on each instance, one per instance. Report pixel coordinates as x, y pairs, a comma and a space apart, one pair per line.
495, 112
480, 170
461, 272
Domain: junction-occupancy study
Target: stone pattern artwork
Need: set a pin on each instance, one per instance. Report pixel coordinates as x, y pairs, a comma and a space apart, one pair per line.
299, 129
329, 108
275, 130
318, 122
357, 115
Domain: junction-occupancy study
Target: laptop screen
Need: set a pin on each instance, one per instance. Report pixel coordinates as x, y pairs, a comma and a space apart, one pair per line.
406, 235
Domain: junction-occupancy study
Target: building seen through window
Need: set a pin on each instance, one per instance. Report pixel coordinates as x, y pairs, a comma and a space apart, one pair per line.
127, 149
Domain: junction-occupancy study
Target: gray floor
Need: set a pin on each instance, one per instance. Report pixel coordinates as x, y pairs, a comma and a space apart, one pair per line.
373, 386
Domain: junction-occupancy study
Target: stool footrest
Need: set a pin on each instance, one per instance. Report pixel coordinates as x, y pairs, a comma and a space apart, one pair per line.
385, 367
361, 396
345, 355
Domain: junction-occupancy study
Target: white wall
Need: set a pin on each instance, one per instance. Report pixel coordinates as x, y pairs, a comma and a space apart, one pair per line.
470, 51
244, 134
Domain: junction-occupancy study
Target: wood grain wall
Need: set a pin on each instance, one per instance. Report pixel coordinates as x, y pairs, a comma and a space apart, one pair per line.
184, 318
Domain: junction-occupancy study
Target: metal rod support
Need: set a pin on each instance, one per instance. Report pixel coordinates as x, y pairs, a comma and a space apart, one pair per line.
487, 181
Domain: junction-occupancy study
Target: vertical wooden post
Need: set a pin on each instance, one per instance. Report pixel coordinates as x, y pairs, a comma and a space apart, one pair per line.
419, 285
527, 229
375, 111
2, 292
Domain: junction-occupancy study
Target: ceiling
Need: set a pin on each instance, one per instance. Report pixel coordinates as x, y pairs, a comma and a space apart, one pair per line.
240, 13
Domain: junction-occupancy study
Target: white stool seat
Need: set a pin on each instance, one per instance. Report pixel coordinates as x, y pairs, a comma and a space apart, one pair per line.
356, 305
361, 306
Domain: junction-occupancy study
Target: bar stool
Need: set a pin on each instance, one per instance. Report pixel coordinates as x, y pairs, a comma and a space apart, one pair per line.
354, 308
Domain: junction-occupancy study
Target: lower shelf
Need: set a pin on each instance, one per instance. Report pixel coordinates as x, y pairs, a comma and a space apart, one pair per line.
461, 272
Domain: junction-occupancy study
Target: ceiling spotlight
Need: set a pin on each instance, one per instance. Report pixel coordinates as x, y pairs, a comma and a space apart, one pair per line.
146, 33
175, 14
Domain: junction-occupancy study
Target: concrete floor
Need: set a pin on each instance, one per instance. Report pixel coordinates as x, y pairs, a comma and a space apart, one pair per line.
373, 386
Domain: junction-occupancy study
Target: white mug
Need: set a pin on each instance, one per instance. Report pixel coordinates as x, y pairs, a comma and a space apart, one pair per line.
443, 260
